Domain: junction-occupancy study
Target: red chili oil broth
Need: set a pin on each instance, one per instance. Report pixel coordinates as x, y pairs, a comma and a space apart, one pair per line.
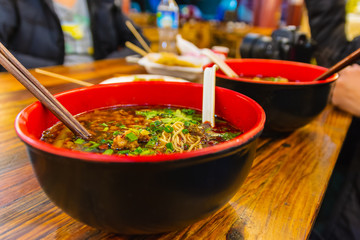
141, 130
267, 78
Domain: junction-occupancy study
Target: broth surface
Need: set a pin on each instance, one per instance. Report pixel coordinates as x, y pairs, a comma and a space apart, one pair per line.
264, 78
141, 130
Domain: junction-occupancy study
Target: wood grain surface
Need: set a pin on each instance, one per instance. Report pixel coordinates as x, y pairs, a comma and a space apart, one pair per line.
279, 199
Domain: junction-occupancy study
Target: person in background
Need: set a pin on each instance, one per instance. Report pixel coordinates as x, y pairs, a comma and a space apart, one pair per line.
53, 32
339, 216
346, 94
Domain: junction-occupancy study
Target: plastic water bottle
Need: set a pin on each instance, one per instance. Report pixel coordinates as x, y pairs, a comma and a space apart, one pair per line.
168, 25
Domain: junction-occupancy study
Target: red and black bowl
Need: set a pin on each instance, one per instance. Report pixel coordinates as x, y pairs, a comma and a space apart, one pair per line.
288, 105
142, 194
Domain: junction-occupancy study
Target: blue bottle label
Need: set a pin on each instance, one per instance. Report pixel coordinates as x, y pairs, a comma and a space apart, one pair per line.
167, 19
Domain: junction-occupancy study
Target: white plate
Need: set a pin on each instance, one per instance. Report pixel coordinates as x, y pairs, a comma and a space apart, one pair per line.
190, 73
146, 77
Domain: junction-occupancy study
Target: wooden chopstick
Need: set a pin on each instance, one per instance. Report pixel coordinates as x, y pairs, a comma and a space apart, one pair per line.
10, 63
351, 58
62, 77
138, 36
135, 48
223, 66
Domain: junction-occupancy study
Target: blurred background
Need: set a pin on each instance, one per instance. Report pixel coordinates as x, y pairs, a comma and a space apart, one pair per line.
208, 23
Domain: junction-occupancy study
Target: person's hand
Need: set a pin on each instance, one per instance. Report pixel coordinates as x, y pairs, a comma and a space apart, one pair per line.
346, 93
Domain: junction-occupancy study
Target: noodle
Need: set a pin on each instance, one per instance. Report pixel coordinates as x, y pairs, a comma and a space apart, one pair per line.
139, 131
179, 140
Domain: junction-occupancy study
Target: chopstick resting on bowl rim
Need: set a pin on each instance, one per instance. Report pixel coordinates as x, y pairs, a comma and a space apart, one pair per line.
62, 77
223, 66
351, 58
13, 66
138, 36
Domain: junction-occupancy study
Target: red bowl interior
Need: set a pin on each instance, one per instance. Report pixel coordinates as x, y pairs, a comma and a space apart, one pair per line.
239, 110
297, 73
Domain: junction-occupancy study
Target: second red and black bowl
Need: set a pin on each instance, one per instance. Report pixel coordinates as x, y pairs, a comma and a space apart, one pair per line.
288, 105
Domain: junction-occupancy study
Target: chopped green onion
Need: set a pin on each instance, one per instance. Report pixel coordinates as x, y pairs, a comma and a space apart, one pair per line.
169, 146
168, 111
152, 142
131, 137
185, 131
124, 152
168, 129
147, 114
187, 124
108, 152
138, 150
95, 145
157, 123
106, 129
79, 141
188, 111
104, 124
147, 152
116, 133
194, 122
229, 135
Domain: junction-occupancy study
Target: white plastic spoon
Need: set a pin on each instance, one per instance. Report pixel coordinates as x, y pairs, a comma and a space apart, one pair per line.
208, 105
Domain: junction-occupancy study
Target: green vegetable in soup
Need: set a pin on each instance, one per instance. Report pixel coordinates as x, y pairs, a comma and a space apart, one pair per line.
140, 131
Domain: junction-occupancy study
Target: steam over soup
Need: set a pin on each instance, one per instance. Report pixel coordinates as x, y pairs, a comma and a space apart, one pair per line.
141, 131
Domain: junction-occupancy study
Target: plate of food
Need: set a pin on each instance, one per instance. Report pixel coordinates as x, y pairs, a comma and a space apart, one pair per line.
142, 78
186, 67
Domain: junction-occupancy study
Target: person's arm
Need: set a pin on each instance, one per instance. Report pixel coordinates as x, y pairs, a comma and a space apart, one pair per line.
346, 94
8, 26
327, 24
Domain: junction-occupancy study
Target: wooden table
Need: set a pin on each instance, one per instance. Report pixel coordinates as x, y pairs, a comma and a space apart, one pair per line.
279, 199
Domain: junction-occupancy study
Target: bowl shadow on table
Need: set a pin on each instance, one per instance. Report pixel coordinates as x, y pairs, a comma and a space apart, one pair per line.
288, 106
227, 218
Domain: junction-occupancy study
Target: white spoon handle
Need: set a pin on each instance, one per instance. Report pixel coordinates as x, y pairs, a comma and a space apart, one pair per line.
208, 106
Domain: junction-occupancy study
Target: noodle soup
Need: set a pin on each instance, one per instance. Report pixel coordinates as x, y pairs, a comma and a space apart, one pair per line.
141, 131
267, 79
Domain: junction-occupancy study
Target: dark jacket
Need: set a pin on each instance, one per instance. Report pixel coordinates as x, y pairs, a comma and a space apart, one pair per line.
339, 216
31, 30
327, 24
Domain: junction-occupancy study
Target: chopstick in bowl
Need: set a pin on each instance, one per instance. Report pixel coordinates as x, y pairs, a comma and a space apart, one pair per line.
13, 66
